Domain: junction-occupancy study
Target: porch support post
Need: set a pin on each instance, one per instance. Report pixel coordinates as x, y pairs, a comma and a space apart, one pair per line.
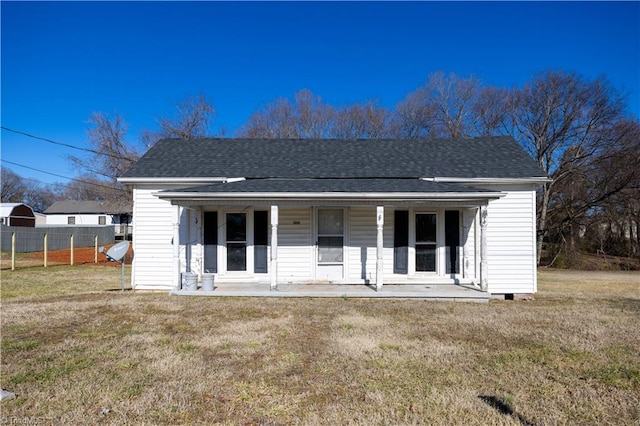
199, 239
379, 247
274, 248
483, 249
176, 247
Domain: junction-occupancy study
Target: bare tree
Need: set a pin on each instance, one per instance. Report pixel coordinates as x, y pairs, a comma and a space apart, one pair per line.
307, 117
40, 196
274, 121
12, 186
442, 107
87, 187
195, 115
112, 156
414, 116
562, 120
602, 190
360, 121
16, 189
454, 98
314, 118
491, 111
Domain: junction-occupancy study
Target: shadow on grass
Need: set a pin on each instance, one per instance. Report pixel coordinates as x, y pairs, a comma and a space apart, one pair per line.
504, 408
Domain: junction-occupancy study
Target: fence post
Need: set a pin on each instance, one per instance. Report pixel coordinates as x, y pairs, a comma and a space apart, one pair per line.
95, 245
13, 251
71, 244
46, 248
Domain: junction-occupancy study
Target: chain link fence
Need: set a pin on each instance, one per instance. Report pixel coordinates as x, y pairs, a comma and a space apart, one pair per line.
49, 245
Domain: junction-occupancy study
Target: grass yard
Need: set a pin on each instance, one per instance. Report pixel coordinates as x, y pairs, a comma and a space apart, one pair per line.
78, 351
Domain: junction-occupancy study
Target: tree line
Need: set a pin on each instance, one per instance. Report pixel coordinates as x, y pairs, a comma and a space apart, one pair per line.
578, 131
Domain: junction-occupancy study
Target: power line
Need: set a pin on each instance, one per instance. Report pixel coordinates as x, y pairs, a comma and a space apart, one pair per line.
119, 157
60, 176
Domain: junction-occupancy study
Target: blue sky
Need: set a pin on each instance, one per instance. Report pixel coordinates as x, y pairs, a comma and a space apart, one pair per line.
61, 61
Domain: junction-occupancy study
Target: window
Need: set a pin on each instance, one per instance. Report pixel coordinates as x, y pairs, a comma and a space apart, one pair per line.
71, 220
330, 236
102, 220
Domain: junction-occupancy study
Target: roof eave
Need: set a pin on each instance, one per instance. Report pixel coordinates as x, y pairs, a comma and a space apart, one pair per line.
343, 196
174, 180
537, 180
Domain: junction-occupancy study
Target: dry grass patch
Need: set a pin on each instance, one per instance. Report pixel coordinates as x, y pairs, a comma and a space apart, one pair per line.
77, 352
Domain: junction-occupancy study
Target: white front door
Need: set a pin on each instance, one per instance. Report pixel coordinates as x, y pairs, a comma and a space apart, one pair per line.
330, 244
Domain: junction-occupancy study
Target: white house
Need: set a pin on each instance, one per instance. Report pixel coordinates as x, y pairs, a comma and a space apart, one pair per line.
442, 211
83, 213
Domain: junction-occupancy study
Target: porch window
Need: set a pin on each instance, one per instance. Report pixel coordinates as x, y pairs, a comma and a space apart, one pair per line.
102, 220
71, 220
426, 232
236, 241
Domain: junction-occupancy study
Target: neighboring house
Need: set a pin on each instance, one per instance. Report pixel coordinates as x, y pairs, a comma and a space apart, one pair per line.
438, 211
17, 214
83, 213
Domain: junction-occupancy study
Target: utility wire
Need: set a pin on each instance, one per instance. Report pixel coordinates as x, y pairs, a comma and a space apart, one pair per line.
62, 144
60, 176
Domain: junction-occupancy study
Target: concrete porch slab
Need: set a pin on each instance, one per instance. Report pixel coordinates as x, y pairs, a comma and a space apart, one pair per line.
443, 292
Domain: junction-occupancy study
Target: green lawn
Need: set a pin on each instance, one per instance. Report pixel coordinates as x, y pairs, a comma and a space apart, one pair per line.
78, 351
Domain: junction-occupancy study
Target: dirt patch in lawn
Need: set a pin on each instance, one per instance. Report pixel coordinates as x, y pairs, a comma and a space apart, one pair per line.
81, 256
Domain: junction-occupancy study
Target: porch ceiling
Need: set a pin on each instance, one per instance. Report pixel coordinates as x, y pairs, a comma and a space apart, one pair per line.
352, 190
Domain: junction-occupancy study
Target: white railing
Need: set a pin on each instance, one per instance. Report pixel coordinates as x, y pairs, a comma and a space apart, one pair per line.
123, 229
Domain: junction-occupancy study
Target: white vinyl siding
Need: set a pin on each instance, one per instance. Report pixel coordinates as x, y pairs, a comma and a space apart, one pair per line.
80, 219
153, 232
295, 247
511, 242
362, 244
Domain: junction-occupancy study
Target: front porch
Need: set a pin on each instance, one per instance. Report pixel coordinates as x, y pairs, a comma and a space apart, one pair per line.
422, 291
401, 236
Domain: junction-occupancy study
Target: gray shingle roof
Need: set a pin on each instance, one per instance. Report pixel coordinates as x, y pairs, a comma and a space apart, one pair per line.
87, 207
330, 186
486, 157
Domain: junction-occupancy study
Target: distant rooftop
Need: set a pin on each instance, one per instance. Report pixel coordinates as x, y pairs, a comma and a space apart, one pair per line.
88, 207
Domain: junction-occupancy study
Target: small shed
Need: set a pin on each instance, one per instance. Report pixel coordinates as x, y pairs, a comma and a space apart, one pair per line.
17, 214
